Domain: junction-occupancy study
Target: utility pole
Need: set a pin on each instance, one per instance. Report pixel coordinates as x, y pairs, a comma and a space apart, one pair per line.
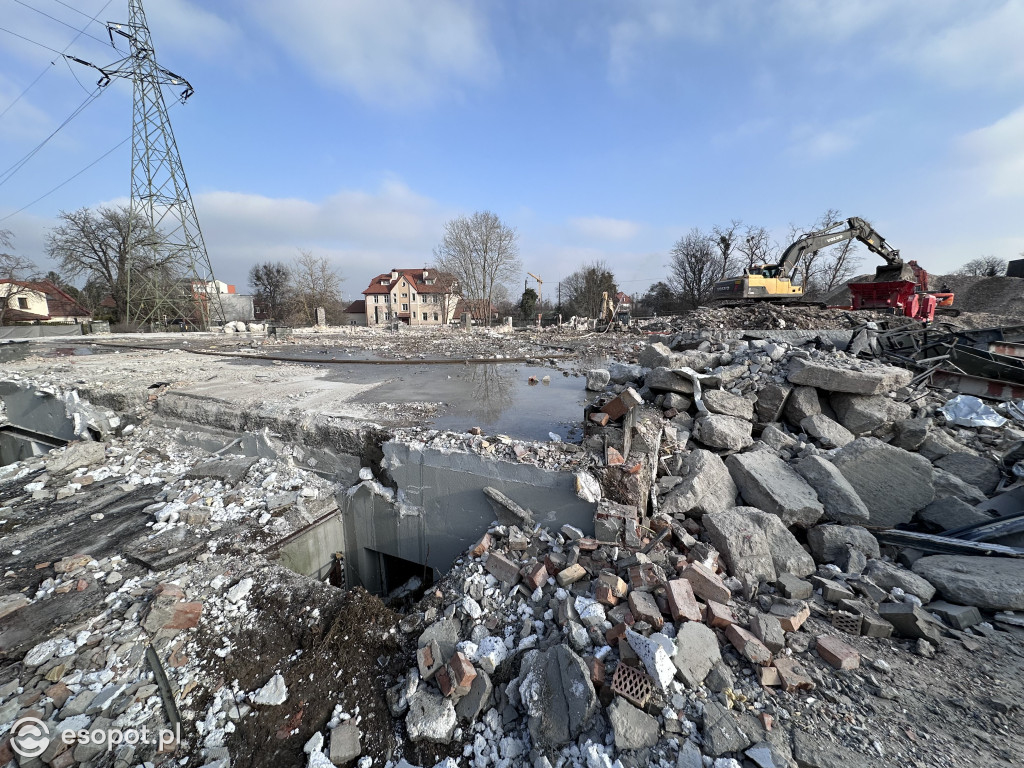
173, 275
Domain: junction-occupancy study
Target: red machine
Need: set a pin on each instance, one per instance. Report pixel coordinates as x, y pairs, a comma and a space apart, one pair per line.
898, 296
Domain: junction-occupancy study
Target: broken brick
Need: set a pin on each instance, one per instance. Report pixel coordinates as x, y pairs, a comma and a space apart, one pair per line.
604, 595
768, 676
614, 458
791, 617
752, 649
599, 418
682, 604
837, 653
71, 563
501, 568
644, 608
793, 675
570, 575
461, 673
705, 583
719, 615
535, 575
481, 546
616, 633
596, 669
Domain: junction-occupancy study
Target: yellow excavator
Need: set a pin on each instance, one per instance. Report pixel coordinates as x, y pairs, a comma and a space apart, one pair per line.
774, 282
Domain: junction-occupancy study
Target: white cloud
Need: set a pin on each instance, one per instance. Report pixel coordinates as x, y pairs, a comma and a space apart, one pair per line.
602, 228
821, 142
389, 52
185, 26
363, 233
996, 154
23, 120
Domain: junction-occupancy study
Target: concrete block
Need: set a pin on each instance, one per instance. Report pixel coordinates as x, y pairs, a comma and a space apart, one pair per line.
888, 575
837, 496
768, 483
794, 588
957, 616
728, 404
834, 379
768, 630
893, 483
828, 542
910, 621
697, 652
791, 617
832, 591
770, 401
706, 486
828, 433
724, 432
801, 403
974, 470
862, 414
990, 583
345, 746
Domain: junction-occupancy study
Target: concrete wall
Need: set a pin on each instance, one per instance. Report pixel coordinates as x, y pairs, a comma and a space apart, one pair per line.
312, 553
441, 510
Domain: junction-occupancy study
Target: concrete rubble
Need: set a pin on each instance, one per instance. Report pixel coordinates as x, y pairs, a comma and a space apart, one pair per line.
733, 600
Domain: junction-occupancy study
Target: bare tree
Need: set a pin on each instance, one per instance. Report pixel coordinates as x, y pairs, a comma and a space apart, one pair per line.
728, 241
755, 246
586, 287
270, 282
448, 296
482, 254
694, 267
14, 270
107, 244
822, 271
983, 266
315, 283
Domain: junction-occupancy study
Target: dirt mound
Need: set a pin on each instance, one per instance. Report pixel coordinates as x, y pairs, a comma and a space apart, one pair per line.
771, 316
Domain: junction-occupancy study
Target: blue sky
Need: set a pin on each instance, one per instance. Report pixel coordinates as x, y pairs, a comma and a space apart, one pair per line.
599, 129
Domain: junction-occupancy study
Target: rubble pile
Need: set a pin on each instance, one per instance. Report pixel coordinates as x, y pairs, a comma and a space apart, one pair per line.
767, 315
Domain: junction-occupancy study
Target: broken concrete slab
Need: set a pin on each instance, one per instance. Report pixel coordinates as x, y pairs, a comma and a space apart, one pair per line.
228, 471
829, 433
707, 486
827, 542
768, 483
862, 414
431, 717
990, 583
75, 456
811, 753
948, 485
893, 483
557, 693
910, 621
663, 379
974, 470
771, 400
727, 732
776, 439
957, 616
756, 544
945, 514
837, 496
832, 379
939, 444
697, 652
728, 404
801, 403
656, 355
888, 576
633, 728
725, 432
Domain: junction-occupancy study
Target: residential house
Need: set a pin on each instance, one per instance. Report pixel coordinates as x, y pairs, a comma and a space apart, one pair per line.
355, 313
39, 302
411, 296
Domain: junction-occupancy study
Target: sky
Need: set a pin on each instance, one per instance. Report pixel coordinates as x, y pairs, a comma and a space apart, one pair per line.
600, 130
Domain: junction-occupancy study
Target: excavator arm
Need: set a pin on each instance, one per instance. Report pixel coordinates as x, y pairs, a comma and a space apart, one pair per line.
856, 228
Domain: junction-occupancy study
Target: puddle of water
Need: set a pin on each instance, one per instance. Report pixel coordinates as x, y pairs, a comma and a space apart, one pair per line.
497, 398
72, 351
14, 351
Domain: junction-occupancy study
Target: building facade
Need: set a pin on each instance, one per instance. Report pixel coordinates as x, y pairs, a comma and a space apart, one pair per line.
39, 302
411, 296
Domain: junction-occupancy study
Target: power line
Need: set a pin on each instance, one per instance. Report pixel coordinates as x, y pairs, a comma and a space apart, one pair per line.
46, 69
29, 40
69, 179
13, 169
83, 13
59, 21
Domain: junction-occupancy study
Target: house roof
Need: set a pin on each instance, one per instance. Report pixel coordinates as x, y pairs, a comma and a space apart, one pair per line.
413, 276
21, 316
58, 303
356, 308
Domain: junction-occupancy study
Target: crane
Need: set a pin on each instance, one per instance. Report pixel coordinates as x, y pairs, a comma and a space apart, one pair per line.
540, 287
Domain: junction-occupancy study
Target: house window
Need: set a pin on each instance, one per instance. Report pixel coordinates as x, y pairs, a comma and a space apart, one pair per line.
405, 307
405, 295
376, 299
414, 297
435, 316
424, 315
387, 298
384, 282
22, 302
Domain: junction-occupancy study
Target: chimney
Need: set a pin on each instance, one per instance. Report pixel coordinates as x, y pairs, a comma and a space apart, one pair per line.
394, 274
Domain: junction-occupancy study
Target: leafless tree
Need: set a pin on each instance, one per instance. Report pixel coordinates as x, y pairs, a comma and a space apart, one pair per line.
694, 267
314, 283
728, 241
822, 271
983, 266
14, 269
108, 244
585, 288
755, 246
270, 281
482, 254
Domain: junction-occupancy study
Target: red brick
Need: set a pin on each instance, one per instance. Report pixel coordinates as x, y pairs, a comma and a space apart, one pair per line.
443, 677
614, 457
837, 653
481, 546
587, 544
186, 616
462, 674
671, 413
791, 619
719, 615
706, 584
535, 575
793, 675
616, 633
682, 604
169, 590
615, 408
752, 649
599, 418
60, 693
644, 608
767, 721
71, 563
596, 669
605, 596
501, 568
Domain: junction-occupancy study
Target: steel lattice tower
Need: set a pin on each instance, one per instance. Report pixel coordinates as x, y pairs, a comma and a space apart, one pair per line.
170, 276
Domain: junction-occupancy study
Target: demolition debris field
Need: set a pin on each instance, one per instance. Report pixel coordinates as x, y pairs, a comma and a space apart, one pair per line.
738, 593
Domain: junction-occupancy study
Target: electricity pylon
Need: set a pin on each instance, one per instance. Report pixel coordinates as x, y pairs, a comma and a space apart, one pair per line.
169, 272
